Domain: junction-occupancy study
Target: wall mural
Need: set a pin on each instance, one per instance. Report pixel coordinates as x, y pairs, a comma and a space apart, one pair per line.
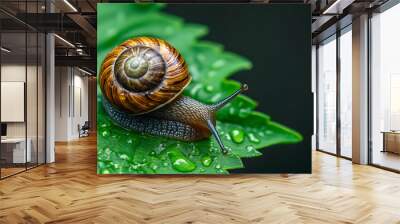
167, 102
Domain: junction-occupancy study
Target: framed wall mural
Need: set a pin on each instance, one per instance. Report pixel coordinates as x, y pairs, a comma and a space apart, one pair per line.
204, 89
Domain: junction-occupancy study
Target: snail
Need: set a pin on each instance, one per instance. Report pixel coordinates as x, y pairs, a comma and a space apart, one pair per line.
142, 82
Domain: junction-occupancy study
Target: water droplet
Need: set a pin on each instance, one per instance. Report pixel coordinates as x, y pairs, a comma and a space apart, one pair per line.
232, 111
134, 166
105, 133
237, 135
105, 171
253, 138
101, 164
124, 157
209, 88
218, 166
202, 170
216, 98
250, 148
154, 167
243, 113
104, 125
214, 149
116, 165
130, 141
165, 164
195, 152
262, 134
228, 137
107, 151
206, 160
179, 161
152, 153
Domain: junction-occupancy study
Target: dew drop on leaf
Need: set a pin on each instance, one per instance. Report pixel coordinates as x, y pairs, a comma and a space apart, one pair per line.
232, 111
105, 171
253, 138
250, 148
237, 135
179, 161
206, 160
105, 133
209, 88
216, 98
124, 157
101, 164
107, 151
243, 113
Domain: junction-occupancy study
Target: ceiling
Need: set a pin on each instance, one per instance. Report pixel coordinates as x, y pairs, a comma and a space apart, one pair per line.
75, 21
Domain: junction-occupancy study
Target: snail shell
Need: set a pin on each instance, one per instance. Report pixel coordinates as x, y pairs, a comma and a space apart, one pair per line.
143, 74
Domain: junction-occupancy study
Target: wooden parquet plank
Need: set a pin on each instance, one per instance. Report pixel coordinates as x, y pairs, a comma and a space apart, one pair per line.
70, 191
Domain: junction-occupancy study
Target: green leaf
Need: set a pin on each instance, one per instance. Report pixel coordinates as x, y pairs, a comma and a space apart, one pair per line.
243, 130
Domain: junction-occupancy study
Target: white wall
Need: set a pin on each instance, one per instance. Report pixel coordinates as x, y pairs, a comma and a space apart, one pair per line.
71, 102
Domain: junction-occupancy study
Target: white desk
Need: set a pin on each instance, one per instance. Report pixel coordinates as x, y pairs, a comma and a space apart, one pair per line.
19, 155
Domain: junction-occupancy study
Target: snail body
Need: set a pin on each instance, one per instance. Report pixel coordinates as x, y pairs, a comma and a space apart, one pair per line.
142, 80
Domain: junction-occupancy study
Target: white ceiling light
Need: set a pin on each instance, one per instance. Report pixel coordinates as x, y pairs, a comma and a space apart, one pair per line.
337, 7
70, 5
65, 41
84, 71
5, 50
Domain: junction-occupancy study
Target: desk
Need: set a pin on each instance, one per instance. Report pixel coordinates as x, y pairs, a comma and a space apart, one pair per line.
17, 151
391, 141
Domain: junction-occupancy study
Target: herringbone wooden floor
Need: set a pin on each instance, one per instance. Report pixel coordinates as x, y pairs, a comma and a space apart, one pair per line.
69, 191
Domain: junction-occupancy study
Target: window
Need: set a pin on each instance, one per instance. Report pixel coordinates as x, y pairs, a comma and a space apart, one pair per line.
22, 76
327, 95
346, 93
385, 89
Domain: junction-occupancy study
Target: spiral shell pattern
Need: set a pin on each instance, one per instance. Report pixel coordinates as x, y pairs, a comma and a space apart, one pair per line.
143, 74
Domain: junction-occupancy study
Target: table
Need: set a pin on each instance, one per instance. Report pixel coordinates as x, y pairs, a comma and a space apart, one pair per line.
391, 141
18, 149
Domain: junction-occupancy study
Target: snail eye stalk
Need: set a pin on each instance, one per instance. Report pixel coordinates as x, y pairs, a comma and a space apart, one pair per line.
216, 135
228, 99
216, 107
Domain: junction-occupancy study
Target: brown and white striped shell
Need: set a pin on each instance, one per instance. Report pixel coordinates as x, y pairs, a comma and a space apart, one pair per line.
143, 74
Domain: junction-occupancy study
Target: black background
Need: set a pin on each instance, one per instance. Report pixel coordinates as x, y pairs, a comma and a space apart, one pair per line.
277, 40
